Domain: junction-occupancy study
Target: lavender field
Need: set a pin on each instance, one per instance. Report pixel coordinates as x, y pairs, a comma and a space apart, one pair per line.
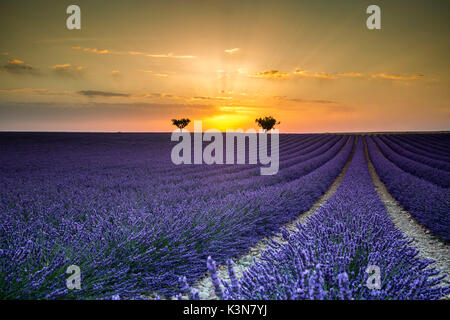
135, 223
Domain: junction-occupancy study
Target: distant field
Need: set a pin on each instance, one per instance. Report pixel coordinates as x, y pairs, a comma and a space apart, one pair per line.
116, 206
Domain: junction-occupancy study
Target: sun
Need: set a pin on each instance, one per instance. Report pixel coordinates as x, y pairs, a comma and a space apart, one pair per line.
223, 122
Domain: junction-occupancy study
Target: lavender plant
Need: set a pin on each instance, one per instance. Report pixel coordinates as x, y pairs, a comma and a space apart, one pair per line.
415, 155
327, 257
436, 176
116, 206
427, 203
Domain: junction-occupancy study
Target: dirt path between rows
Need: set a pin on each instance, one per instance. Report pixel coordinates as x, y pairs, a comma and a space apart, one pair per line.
429, 246
205, 286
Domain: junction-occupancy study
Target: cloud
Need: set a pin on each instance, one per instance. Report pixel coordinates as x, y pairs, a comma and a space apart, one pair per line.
90, 93
285, 98
67, 70
147, 71
93, 50
272, 74
317, 75
156, 74
210, 98
67, 40
23, 90
239, 109
298, 73
170, 55
98, 51
37, 91
16, 66
275, 74
160, 96
94, 93
397, 77
349, 74
184, 98
135, 53
232, 51
163, 75
116, 74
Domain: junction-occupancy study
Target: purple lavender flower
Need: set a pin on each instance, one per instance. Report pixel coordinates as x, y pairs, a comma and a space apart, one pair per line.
211, 264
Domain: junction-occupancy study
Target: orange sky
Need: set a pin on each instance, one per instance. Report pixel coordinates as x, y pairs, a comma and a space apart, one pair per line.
313, 65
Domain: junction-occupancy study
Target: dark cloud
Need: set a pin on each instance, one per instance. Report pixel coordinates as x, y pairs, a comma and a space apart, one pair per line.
272, 74
316, 75
210, 98
94, 93
19, 67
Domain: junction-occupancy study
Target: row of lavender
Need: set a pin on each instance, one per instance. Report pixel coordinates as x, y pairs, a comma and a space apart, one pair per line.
413, 187
423, 147
434, 145
133, 222
424, 171
414, 153
328, 257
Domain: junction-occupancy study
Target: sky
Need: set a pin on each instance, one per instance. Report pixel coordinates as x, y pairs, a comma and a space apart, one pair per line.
313, 65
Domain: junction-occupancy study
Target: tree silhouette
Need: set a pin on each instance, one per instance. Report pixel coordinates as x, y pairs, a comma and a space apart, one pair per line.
267, 123
180, 123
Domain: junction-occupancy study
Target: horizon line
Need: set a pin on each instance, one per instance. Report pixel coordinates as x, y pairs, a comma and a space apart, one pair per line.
325, 132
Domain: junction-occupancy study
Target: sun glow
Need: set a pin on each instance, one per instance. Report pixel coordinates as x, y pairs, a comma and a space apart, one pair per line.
223, 122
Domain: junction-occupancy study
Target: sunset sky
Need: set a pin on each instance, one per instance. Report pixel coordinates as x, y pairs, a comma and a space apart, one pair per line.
314, 65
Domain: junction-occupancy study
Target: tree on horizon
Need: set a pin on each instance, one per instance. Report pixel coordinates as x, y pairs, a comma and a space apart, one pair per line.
181, 123
267, 123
